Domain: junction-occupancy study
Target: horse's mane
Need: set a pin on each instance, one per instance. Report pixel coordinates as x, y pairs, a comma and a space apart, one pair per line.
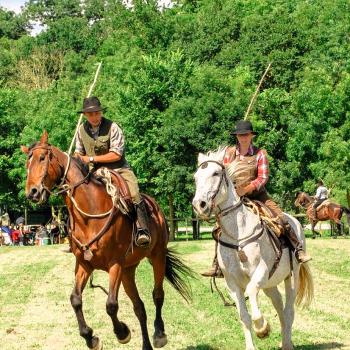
217, 155
83, 167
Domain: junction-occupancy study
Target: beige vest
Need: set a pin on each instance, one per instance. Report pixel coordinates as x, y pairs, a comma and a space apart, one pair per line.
242, 171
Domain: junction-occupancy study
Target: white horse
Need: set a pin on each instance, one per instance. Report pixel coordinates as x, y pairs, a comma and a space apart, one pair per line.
242, 229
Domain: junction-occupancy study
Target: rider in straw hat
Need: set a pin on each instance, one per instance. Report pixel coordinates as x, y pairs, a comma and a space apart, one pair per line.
100, 142
248, 168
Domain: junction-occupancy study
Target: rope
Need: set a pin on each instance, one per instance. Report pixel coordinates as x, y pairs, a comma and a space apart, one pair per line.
106, 177
86, 214
81, 114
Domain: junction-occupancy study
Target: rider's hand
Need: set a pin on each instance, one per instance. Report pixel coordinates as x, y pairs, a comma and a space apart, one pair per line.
242, 191
85, 159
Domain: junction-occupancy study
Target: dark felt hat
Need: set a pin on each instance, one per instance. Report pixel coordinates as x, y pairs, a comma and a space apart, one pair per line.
91, 104
243, 127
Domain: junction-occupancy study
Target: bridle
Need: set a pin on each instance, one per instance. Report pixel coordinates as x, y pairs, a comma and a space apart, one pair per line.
223, 178
62, 188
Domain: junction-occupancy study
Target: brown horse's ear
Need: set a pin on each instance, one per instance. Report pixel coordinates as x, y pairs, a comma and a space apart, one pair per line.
25, 149
44, 137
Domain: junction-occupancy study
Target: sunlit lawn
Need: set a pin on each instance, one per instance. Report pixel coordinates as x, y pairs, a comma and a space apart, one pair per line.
35, 312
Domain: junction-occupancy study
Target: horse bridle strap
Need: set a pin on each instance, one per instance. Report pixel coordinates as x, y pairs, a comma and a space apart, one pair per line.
86, 247
223, 176
239, 246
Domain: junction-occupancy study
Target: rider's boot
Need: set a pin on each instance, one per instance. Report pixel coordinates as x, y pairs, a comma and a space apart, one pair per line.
314, 213
297, 247
143, 236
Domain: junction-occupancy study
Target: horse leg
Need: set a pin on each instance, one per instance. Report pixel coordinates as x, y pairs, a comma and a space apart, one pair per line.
130, 288
120, 329
260, 324
276, 299
237, 294
159, 336
340, 226
314, 232
289, 309
82, 275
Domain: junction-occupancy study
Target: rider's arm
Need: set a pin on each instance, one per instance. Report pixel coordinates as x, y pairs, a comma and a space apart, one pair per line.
116, 148
109, 157
318, 193
79, 147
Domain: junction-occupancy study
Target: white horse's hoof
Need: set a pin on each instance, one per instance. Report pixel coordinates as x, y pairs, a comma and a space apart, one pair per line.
159, 342
98, 346
263, 331
126, 340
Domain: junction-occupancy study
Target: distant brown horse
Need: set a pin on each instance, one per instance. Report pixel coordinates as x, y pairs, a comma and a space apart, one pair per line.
90, 213
326, 211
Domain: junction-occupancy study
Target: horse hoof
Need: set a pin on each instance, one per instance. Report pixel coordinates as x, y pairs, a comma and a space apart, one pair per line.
264, 331
128, 336
99, 345
159, 342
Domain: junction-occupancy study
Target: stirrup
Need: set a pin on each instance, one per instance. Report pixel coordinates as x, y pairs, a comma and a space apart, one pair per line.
302, 257
213, 272
142, 239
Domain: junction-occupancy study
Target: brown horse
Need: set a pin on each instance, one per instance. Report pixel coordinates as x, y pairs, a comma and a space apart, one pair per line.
112, 249
327, 211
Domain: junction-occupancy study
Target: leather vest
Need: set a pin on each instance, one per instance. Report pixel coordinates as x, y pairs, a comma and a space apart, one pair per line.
100, 145
243, 171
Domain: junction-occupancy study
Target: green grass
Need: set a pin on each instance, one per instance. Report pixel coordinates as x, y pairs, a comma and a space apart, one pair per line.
35, 312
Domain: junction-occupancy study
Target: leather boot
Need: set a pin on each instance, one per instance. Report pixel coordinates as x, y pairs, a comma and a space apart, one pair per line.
296, 245
215, 270
143, 237
314, 213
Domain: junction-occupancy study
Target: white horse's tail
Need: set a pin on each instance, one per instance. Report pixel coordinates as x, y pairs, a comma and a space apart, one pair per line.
305, 293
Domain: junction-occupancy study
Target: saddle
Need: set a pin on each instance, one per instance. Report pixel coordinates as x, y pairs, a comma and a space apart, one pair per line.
265, 214
118, 189
324, 204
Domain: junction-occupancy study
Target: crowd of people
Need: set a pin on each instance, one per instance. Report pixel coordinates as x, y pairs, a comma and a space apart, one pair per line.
21, 234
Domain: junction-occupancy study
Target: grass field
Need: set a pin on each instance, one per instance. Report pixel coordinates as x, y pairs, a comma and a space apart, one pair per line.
35, 312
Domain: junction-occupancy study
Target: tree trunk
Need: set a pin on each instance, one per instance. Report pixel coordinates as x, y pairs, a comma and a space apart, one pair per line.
195, 226
171, 217
348, 197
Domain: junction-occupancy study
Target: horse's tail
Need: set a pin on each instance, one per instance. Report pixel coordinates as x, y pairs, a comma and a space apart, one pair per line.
347, 212
305, 293
177, 273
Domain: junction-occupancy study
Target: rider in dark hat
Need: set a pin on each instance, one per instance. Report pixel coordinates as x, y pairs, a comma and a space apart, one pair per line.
100, 142
248, 168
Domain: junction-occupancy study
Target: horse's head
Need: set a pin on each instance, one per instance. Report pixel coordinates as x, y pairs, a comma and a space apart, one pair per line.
211, 183
300, 199
43, 170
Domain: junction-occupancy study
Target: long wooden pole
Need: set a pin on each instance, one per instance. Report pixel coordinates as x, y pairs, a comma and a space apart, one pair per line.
256, 93
81, 114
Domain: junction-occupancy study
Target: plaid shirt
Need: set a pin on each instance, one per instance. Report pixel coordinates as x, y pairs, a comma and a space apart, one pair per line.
262, 164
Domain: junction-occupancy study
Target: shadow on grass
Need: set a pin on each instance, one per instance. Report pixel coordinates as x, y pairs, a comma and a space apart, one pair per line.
322, 346
200, 347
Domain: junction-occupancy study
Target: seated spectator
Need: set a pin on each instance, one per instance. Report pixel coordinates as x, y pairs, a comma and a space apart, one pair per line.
5, 232
16, 236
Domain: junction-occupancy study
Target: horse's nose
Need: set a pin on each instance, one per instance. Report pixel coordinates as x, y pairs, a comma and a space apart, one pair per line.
33, 193
203, 204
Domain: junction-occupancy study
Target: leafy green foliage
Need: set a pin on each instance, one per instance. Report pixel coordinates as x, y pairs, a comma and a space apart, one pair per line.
177, 80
